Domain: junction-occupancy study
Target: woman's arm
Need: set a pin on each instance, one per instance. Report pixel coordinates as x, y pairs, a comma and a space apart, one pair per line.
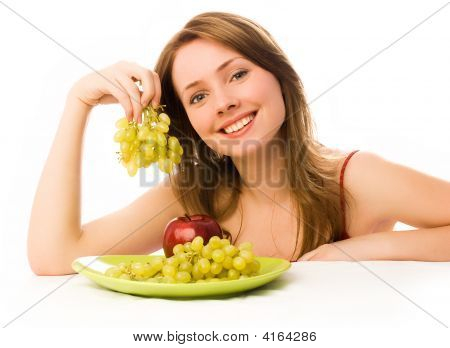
396, 192
55, 222
55, 233
427, 244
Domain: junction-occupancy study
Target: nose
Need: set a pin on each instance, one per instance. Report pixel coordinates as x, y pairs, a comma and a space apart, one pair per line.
225, 103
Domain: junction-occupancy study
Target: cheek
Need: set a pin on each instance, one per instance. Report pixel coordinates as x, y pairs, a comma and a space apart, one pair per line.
268, 89
272, 95
200, 125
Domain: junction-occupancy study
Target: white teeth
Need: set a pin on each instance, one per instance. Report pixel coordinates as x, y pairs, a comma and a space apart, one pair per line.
239, 124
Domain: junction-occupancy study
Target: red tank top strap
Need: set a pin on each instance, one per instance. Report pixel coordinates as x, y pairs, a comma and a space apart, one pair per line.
344, 231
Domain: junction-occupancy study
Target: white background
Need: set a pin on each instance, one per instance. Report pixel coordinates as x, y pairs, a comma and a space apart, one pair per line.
397, 105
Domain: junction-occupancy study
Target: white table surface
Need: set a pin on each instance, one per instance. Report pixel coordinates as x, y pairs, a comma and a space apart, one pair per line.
366, 294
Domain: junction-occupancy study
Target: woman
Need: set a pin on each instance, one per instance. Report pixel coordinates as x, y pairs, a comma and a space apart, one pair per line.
251, 161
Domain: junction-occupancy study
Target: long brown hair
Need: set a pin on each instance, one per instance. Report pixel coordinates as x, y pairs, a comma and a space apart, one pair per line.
210, 184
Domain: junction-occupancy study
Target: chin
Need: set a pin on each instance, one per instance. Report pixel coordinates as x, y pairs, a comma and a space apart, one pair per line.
243, 150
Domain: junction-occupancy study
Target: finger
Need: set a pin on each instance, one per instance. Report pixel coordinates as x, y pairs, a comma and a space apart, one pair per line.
148, 85
134, 94
157, 83
120, 93
145, 76
306, 256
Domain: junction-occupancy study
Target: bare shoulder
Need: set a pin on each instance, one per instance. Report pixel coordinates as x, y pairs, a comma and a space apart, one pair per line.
396, 192
364, 176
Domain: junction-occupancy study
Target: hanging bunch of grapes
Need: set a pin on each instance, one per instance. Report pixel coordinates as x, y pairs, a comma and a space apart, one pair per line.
147, 143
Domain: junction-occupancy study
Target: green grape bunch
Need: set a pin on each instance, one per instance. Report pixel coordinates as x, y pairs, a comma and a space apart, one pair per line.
148, 142
194, 262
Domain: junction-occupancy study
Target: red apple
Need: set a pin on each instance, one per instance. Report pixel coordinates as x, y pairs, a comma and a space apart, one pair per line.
184, 229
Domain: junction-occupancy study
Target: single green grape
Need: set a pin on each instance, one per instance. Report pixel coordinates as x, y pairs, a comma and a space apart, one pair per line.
233, 274
197, 244
227, 262
114, 272
223, 273
204, 265
187, 247
122, 123
179, 150
148, 150
165, 165
225, 242
183, 277
174, 157
123, 266
126, 157
216, 268
218, 255
162, 127
173, 142
132, 168
161, 139
247, 269
195, 259
164, 118
137, 268
173, 261
230, 250
169, 271
181, 257
152, 138
247, 255
125, 146
143, 133
119, 136
255, 266
138, 159
157, 263
177, 249
185, 266
207, 251
215, 242
161, 151
130, 134
196, 274
239, 263
209, 275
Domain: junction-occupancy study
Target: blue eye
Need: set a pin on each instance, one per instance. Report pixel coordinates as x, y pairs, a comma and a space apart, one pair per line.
194, 97
239, 73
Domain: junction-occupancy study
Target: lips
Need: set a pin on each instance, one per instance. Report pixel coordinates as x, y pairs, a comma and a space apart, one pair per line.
254, 113
241, 132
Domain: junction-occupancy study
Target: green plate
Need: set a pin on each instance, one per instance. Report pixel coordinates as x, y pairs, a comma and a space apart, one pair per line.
93, 267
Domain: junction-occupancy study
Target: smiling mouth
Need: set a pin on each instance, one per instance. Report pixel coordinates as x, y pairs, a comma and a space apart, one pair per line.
254, 116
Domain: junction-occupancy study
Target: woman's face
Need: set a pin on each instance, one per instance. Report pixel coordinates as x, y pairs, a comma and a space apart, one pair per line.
224, 93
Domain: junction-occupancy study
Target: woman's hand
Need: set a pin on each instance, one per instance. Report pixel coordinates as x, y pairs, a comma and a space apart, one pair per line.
325, 252
372, 246
344, 250
116, 84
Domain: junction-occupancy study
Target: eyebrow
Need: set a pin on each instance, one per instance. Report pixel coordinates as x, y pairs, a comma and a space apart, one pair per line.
221, 67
